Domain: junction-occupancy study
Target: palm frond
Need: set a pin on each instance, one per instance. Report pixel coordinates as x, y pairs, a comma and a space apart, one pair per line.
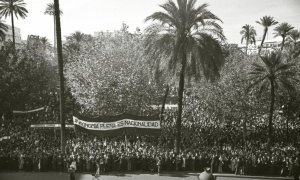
163, 18
16, 7
209, 55
283, 29
263, 86
267, 21
256, 81
209, 15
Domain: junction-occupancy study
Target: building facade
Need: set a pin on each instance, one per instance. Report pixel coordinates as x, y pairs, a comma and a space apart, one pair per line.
267, 47
9, 35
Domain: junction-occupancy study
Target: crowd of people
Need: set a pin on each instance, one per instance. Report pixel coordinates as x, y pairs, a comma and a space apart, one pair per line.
29, 149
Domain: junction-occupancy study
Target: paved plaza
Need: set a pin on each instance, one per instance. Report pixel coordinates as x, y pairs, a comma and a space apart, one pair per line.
118, 176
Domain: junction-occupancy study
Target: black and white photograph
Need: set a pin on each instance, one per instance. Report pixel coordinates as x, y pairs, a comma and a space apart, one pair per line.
149, 89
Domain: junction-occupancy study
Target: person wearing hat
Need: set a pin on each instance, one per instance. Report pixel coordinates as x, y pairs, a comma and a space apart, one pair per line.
206, 175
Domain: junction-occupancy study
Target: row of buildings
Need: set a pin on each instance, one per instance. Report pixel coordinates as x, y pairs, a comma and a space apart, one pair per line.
9, 35
269, 45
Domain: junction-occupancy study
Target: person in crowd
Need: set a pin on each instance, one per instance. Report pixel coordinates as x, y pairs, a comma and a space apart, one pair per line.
178, 162
129, 161
21, 161
221, 164
97, 174
101, 162
159, 161
72, 170
296, 168
183, 160
238, 168
214, 163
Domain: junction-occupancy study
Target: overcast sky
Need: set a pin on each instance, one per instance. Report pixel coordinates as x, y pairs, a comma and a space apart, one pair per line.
89, 16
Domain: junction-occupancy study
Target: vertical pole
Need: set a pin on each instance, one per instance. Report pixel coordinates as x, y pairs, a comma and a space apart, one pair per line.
75, 131
125, 140
61, 75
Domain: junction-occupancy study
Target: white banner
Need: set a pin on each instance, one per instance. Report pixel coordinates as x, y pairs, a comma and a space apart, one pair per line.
124, 123
50, 126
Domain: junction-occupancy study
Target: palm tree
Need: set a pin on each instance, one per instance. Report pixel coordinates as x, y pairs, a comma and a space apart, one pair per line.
76, 38
61, 74
294, 37
283, 30
248, 33
272, 74
50, 11
45, 43
75, 41
3, 29
293, 40
186, 35
266, 22
11, 8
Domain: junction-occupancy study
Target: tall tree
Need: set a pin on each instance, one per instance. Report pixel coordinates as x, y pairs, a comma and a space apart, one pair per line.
266, 22
294, 37
272, 74
283, 30
51, 11
11, 8
3, 29
117, 82
188, 37
25, 80
61, 74
75, 39
45, 43
293, 40
248, 33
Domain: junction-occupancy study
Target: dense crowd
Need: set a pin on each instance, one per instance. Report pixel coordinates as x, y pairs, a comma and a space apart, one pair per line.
28, 149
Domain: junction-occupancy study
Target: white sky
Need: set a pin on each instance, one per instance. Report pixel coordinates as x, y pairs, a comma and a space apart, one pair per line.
89, 16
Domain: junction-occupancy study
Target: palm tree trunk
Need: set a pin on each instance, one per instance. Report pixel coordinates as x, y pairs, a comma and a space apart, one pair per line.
263, 40
54, 46
61, 75
180, 98
272, 97
247, 41
13, 30
164, 102
282, 44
